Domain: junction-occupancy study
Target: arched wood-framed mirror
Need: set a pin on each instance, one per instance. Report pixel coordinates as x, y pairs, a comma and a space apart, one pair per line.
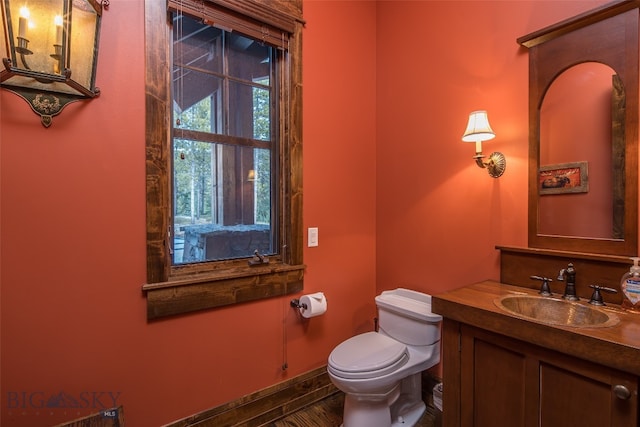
563, 189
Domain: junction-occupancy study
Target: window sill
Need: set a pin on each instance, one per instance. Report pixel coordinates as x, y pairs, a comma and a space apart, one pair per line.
201, 292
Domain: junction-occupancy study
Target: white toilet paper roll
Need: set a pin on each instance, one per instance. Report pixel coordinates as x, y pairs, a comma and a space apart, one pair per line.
316, 304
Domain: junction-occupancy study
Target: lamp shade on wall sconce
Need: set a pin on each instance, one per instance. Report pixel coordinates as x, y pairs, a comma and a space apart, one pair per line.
50, 52
478, 130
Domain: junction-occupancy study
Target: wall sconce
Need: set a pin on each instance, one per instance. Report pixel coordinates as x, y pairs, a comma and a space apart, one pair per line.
251, 176
478, 130
50, 52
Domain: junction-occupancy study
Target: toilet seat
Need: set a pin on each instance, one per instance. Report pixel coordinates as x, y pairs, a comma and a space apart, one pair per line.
367, 355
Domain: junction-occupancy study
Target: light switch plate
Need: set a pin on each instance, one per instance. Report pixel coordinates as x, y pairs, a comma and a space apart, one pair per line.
312, 237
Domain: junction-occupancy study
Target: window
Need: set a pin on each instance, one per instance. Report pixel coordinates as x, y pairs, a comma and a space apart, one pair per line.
224, 139
223, 153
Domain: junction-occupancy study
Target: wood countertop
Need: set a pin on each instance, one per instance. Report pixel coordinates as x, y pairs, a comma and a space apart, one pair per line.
617, 346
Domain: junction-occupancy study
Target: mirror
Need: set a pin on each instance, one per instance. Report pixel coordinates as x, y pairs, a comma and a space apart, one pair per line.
581, 193
583, 132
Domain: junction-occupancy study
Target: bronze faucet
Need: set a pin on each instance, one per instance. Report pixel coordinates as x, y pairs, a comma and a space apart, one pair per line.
570, 288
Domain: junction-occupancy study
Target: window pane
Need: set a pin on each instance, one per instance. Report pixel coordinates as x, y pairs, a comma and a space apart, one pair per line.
196, 45
249, 108
197, 101
262, 186
261, 114
248, 59
222, 201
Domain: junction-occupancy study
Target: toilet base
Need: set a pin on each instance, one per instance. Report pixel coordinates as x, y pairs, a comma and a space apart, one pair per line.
369, 410
411, 416
381, 417
400, 407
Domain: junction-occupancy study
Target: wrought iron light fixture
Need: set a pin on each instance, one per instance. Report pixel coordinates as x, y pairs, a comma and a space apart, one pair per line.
478, 130
50, 52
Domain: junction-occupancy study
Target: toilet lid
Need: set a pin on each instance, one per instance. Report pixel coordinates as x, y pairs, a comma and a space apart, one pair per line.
367, 355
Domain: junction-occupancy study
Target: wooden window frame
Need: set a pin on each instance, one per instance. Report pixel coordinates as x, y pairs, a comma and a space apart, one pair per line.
173, 290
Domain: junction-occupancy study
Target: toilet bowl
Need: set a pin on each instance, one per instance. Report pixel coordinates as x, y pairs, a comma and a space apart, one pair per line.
380, 372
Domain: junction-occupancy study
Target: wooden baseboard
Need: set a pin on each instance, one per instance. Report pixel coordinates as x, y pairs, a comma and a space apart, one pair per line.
113, 417
267, 405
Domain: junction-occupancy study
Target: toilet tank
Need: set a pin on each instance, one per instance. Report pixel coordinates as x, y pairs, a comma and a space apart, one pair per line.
406, 316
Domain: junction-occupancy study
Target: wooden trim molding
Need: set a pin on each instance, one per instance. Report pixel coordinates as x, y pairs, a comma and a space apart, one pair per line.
580, 21
281, 14
200, 293
607, 35
267, 405
158, 127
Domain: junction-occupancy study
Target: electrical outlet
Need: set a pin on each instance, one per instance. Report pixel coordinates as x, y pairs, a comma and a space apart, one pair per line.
312, 240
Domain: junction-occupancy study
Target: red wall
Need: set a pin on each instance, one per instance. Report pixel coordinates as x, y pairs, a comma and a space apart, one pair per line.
73, 243
439, 216
394, 192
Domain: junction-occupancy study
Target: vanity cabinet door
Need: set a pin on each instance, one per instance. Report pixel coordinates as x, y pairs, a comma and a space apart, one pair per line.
492, 380
496, 377
574, 392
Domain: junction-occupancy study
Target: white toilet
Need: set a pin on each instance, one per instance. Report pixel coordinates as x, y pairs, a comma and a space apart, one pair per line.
380, 372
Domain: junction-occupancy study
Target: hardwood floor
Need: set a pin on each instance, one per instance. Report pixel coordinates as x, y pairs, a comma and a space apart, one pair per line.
328, 413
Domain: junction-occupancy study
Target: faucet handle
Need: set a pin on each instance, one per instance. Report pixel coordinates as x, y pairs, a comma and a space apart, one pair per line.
596, 297
545, 291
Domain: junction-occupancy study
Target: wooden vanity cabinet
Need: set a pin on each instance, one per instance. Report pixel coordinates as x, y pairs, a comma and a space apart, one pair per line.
491, 380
